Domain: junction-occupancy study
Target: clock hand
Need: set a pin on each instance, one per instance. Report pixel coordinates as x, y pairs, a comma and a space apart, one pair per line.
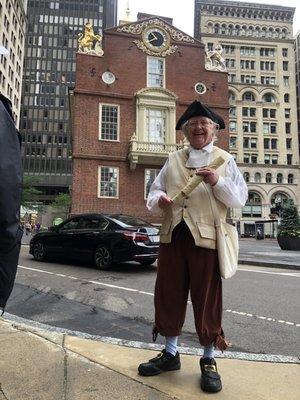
153, 37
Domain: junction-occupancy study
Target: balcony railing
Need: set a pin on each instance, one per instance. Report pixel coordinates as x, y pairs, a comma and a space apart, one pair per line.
150, 153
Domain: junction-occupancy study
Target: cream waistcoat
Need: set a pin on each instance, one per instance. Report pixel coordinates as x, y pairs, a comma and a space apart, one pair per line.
195, 209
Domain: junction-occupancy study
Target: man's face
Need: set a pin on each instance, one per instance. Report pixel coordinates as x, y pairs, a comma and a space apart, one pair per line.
200, 131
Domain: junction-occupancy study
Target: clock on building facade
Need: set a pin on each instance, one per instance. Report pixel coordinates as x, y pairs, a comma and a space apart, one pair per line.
156, 39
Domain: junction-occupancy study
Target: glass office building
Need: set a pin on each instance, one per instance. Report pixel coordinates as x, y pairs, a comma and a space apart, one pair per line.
49, 72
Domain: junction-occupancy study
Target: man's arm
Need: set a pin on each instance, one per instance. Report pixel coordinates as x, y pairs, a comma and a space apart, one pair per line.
231, 189
157, 197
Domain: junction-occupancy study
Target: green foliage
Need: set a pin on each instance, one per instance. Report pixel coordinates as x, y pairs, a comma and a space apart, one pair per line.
29, 192
62, 204
290, 221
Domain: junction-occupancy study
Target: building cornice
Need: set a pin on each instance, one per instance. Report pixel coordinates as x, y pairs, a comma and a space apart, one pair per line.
98, 157
238, 39
242, 6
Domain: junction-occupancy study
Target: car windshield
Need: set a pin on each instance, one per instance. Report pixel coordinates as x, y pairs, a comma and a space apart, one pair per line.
128, 221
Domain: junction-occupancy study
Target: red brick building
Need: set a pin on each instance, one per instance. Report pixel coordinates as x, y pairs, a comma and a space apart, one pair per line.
125, 108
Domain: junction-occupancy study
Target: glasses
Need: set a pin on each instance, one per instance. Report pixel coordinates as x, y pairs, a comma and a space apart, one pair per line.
193, 125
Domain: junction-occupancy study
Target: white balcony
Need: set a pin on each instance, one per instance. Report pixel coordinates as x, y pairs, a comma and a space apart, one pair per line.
150, 153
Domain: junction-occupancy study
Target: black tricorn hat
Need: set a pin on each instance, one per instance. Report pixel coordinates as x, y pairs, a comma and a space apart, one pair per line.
196, 109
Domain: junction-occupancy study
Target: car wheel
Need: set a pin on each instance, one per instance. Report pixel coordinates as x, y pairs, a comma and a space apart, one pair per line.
148, 262
39, 251
102, 257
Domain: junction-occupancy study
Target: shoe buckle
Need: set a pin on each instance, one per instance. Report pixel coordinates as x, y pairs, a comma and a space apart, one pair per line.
208, 367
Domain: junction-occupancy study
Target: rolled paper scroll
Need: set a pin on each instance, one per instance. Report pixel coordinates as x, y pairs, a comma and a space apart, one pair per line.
195, 180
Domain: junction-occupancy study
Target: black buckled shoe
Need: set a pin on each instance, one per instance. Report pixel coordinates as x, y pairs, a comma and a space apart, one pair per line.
210, 379
163, 362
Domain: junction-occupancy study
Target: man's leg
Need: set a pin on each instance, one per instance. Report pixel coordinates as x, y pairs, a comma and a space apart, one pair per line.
206, 295
171, 294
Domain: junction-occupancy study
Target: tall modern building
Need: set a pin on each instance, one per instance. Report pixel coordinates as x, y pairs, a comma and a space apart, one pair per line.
12, 37
258, 50
297, 69
49, 72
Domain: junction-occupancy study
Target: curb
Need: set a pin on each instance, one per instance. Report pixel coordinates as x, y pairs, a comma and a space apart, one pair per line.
268, 264
33, 326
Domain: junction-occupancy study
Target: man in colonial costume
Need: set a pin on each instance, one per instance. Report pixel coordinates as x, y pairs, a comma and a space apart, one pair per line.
188, 259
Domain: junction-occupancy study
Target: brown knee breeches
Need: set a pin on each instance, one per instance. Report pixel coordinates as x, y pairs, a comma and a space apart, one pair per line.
183, 266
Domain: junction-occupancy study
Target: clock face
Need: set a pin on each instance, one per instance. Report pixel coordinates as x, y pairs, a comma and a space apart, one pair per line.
156, 39
108, 77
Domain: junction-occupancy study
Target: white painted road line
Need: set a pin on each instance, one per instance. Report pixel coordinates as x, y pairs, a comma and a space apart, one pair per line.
152, 294
294, 274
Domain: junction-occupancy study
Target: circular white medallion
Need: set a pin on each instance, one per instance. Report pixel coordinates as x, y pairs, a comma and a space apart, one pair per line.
200, 88
108, 77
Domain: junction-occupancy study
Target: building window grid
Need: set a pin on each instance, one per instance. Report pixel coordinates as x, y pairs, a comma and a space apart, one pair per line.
249, 112
250, 143
247, 64
269, 113
109, 122
155, 73
108, 182
49, 30
248, 79
155, 125
250, 158
268, 80
247, 51
253, 207
269, 128
232, 142
267, 52
249, 127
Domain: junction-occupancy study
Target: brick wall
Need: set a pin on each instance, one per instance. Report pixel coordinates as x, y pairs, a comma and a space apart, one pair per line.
129, 65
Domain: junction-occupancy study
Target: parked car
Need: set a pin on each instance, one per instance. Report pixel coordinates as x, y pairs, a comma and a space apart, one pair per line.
102, 238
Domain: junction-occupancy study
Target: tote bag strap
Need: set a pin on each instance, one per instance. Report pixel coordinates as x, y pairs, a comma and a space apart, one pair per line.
214, 206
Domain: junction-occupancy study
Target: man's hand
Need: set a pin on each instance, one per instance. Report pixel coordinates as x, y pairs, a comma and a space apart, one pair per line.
164, 202
209, 175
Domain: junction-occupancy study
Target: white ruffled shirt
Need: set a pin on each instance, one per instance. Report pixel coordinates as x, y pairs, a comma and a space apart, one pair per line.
230, 189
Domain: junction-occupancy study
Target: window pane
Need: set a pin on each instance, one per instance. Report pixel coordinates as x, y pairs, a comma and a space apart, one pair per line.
155, 72
108, 182
156, 125
109, 122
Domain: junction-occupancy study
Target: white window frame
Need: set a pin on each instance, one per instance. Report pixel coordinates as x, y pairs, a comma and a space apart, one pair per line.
99, 182
157, 170
164, 71
100, 122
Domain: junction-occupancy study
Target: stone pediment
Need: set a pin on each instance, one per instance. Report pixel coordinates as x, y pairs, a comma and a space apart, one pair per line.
156, 93
137, 28
155, 36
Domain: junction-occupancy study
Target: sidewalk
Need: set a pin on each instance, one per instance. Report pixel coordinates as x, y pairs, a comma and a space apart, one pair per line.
267, 253
37, 364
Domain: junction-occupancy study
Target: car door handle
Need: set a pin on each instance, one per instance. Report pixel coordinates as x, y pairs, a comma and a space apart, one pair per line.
70, 233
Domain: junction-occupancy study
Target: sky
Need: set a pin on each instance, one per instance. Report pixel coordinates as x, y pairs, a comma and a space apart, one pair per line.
184, 18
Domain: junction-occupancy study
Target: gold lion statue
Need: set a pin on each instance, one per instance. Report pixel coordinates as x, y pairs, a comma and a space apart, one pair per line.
86, 41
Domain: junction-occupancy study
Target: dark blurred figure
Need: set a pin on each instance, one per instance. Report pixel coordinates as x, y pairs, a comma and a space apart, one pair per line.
10, 200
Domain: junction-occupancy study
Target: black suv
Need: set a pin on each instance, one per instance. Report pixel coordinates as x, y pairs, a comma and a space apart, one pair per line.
103, 238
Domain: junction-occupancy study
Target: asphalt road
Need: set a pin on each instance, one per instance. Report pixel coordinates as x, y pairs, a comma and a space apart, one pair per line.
261, 305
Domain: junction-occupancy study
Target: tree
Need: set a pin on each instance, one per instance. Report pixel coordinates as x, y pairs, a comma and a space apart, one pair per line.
62, 204
290, 221
29, 197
